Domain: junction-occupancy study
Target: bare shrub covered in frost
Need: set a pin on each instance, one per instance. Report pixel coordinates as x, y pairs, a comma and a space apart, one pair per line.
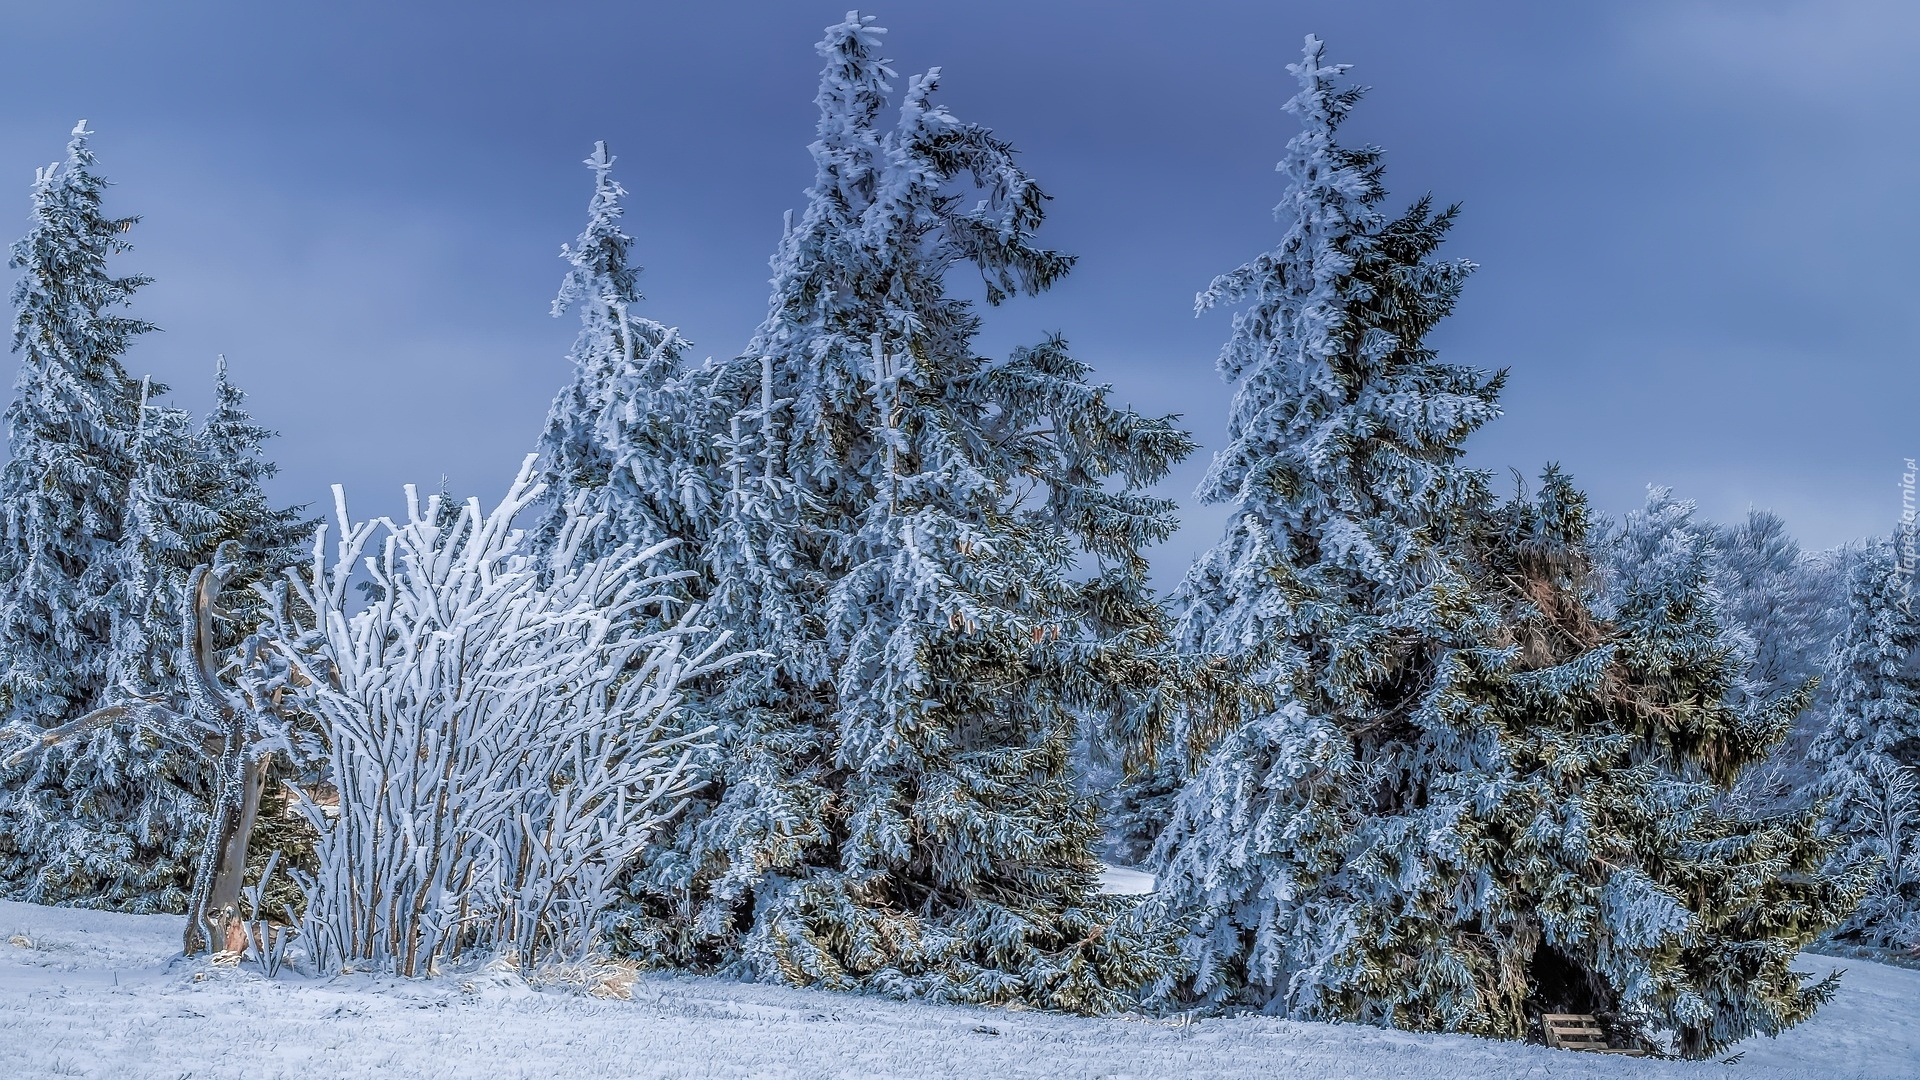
501, 729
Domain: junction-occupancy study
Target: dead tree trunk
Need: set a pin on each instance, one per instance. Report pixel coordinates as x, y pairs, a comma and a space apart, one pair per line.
226, 725
216, 922
213, 913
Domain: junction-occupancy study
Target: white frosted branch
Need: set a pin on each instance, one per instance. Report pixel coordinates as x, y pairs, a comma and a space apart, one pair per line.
502, 745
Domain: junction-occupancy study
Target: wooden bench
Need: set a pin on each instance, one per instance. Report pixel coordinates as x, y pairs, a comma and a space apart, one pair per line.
1578, 1031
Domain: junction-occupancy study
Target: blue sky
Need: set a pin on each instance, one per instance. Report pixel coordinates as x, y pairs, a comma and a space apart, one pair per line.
1696, 222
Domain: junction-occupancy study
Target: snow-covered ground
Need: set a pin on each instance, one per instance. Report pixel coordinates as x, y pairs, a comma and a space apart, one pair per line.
91, 994
1121, 881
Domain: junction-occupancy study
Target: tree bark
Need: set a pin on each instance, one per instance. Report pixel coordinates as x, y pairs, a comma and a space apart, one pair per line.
222, 917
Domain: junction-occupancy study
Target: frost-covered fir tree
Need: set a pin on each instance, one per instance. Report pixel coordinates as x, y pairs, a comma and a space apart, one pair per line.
194, 489
98, 820
231, 445
1869, 750
115, 818
940, 555
629, 433
1621, 880
133, 792
1320, 850
169, 521
70, 431
1789, 605
1471, 800
1768, 589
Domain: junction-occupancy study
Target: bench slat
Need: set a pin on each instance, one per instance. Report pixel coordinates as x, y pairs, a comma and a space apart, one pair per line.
1577, 1031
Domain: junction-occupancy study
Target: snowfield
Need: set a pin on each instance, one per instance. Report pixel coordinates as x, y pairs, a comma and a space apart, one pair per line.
93, 994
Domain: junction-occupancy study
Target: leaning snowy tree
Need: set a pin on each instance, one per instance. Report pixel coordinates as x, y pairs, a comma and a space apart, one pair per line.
940, 555
109, 819
499, 726
230, 447
1868, 753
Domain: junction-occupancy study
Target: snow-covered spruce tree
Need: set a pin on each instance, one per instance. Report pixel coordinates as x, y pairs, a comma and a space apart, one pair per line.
1619, 878
1790, 605
100, 820
1140, 804
1764, 580
1321, 851
141, 799
1870, 748
70, 430
629, 431
1384, 843
940, 555
231, 443
192, 490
